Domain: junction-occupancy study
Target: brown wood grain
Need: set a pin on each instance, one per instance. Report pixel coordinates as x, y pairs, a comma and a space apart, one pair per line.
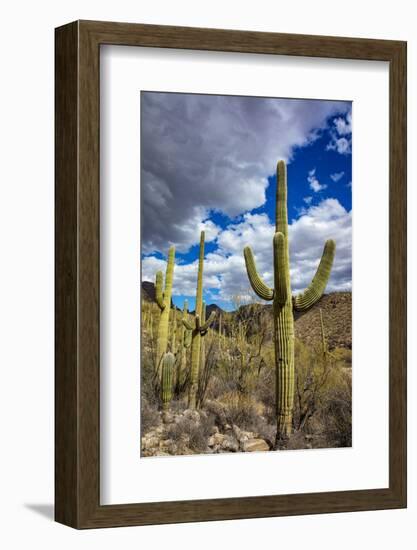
77, 370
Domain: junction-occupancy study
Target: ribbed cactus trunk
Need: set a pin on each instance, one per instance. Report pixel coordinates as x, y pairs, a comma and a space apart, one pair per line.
167, 368
203, 344
163, 299
184, 344
283, 313
196, 341
174, 332
199, 330
284, 304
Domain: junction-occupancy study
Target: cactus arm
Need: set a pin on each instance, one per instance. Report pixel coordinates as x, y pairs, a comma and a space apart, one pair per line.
281, 268
199, 295
197, 323
315, 290
206, 325
159, 296
187, 324
163, 298
257, 284
169, 276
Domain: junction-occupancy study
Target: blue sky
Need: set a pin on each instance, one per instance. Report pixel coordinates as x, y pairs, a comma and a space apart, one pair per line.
208, 162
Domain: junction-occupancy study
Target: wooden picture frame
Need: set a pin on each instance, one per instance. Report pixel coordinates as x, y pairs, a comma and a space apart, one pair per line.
77, 373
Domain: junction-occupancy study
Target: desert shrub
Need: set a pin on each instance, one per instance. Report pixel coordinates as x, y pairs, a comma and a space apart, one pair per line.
337, 416
265, 393
215, 389
318, 378
196, 432
148, 391
242, 410
149, 417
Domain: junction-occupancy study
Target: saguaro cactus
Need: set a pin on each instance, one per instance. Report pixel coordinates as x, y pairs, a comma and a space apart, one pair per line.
167, 369
198, 330
174, 332
284, 304
183, 345
203, 345
163, 299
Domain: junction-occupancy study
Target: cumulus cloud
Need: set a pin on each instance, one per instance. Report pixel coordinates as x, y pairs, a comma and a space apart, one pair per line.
224, 269
308, 200
341, 135
202, 153
314, 183
337, 176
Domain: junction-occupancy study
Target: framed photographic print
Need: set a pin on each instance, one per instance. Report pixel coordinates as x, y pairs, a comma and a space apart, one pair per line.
230, 274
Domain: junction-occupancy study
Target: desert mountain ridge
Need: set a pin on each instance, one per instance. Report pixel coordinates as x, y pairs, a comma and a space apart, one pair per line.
336, 310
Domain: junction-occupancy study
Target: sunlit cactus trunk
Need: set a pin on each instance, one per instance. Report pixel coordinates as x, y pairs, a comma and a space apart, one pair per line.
202, 344
198, 330
167, 369
284, 304
183, 345
163, 299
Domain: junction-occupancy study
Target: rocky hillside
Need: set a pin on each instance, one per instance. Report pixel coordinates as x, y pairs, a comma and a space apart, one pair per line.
337, 318
148, 291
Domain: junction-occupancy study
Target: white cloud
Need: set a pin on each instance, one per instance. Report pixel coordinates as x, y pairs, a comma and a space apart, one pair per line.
341, 145
224, 269
328, 220
308, 200
341, 135
315, 185
337, 176
344, 125
202, 153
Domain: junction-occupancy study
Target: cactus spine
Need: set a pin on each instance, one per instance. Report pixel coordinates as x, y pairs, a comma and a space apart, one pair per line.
199, 329
168, 361
284, 304
163, 299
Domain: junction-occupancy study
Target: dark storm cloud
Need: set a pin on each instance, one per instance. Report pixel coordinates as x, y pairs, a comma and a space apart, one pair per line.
214, 153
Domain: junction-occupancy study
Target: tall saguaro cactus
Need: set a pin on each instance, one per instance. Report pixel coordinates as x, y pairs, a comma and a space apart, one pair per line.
199, 330
284, 304
163, 299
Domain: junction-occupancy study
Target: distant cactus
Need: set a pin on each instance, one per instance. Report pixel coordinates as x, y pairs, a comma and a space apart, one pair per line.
284, 304
167, 369
183, 344
163, 299
198, 329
